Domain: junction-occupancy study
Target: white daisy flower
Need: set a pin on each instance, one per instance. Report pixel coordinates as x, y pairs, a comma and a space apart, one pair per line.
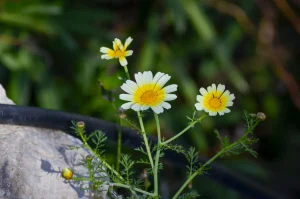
119, 51
214, 100
148, 92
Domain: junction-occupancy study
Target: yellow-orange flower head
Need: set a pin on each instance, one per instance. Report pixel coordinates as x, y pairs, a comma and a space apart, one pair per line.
214, 100
148, 92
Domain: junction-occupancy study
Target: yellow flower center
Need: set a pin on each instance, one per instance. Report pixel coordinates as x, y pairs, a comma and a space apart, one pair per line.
215, 102
119, 53
149, 95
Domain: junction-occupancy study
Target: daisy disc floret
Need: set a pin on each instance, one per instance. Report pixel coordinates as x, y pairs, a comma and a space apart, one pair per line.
214, 100
148, 92
119, 51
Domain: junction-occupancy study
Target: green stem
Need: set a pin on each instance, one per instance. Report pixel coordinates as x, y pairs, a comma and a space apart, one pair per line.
81, 179
83, 138
155, 170
135, 189
126, 71
224, 150
119, 144
184, 130
145, 139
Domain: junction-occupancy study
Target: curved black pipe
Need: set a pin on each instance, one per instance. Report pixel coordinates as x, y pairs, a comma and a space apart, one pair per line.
45, 118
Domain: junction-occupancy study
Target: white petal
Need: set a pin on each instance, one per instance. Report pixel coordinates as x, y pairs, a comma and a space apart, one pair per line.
125, 87
231, 97
221, 112
136, 107
226, 110
199, 98
150, 76
157, 109
209, 89
230, 103
199, 106
226, 93
144, 107
221, 88
206, 109
163, 80
139, 78
118, 43
127, 42
166, 105
106, 57
214, 88
128, 53
203, 91
212, 113
127, 105
123, 61
170, 97
105, 50
147, 77
132, 84
171, 88
157, 77
126, 97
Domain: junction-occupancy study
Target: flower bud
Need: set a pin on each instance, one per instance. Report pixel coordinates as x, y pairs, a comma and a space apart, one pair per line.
80, 124
261, 116
67, 173
121, 113
89, 158
252, 114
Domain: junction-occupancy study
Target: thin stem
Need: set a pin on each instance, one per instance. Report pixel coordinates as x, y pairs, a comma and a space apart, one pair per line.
145, 139
135, 189
99, 157
184, 130
126, 71
224, 150
155, 171
81, 179
119, 144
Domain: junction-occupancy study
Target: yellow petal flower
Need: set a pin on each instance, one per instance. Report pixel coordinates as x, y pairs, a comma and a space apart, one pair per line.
118, 52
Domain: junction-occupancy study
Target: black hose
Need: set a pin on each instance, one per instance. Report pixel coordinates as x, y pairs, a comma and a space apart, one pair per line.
51, 119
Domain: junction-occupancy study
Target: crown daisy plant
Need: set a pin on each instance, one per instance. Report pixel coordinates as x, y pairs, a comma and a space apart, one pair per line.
149, 91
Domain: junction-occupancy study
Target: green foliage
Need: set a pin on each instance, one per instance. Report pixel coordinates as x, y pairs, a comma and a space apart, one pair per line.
128, 164
173, 147
98, 138
193, 158
189, 195
245, 142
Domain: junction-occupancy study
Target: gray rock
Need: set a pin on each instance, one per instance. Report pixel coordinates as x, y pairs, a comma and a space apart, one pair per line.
3, 98
31, 160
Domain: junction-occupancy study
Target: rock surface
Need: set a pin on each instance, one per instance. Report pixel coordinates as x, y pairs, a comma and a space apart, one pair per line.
3, 98
31, 160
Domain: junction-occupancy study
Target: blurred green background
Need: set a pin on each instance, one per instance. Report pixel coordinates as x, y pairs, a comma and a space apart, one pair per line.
49, 57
